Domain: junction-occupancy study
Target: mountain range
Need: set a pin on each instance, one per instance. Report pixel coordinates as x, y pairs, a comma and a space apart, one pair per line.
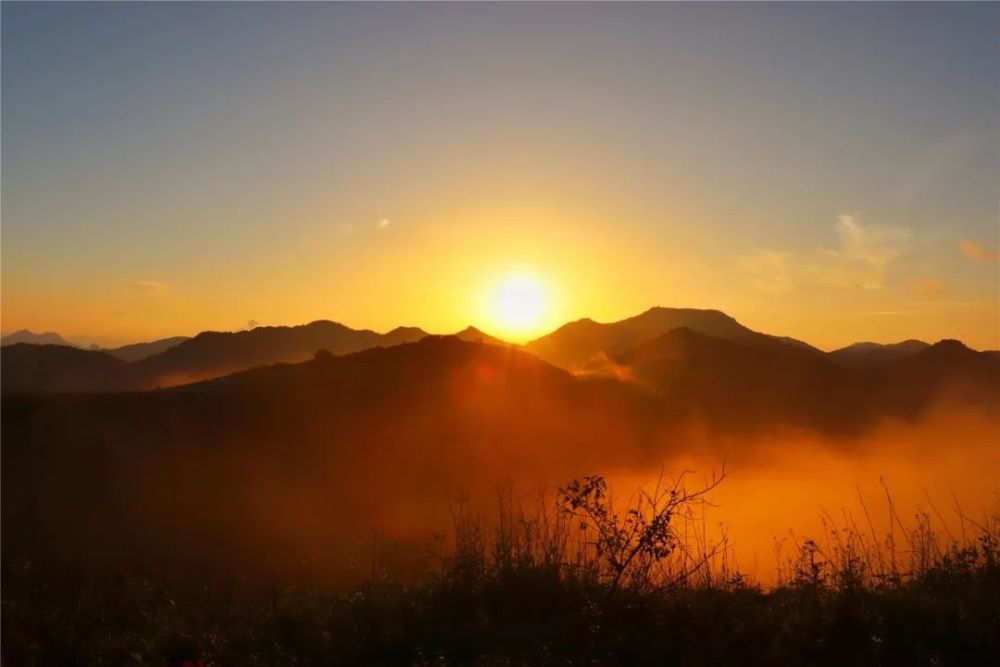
659, 347
279, 441
133, 352
687, 361
35, 363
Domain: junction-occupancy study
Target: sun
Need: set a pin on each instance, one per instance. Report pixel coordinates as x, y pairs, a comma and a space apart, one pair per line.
518, 303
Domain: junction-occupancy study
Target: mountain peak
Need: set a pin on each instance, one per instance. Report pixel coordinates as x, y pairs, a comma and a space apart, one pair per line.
473, 335
574, 345
950, 345
30, 337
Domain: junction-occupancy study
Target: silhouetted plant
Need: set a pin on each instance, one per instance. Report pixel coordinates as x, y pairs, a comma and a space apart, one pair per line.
628, 547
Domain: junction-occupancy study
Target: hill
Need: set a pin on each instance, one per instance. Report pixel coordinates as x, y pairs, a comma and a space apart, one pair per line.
860, 355
747, 382
28, 368
138, 351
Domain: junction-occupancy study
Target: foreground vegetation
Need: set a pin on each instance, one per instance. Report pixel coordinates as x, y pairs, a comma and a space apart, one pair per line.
596, 581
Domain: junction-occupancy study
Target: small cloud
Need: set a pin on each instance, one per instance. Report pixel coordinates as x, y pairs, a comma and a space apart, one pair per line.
384, 222
148, 286
978, 253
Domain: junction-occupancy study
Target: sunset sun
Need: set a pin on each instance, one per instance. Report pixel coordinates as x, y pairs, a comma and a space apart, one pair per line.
518, 303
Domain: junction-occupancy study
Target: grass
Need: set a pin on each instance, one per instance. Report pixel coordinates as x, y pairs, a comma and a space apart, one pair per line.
582, 581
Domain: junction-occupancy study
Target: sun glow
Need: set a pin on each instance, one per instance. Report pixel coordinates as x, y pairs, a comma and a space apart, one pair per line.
518, 303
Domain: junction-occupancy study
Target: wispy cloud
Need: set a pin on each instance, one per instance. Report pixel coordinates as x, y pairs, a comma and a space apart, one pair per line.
864, 253
148, 286
384, 222
978, 253
859, 260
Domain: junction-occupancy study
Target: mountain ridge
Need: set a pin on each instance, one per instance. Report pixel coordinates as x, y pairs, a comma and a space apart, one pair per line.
583, 346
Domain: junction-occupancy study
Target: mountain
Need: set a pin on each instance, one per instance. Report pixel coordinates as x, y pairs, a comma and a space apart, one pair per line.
861, 355
265, 461
41, 369
715, 369
204, 472
945, 373
746, 382
212, 354
578, 344
138, 351
473, 335
26, 336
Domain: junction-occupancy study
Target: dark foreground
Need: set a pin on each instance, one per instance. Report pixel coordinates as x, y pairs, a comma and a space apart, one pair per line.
514, 614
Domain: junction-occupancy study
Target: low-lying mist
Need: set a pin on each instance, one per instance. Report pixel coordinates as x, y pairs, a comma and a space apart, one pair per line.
200, 485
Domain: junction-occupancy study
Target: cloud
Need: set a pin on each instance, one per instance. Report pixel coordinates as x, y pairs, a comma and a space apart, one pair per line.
148, 286
864, 254
384, 222
860, 259
978, 253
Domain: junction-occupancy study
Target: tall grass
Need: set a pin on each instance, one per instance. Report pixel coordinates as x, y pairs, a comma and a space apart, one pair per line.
570, 577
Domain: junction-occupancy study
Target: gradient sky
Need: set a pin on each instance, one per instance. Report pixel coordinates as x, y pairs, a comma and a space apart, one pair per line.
828, 172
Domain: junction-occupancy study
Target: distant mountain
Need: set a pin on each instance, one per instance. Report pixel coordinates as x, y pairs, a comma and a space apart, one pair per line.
212, 354
26, 336
870, 354
138, 351
208, 355
578, 344
473, 335
946, 372
714, 368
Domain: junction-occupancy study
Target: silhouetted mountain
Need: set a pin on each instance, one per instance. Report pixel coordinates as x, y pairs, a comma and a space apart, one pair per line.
26, 336
194, 472
861, 355
138, 351
474, 335
945, 373
212, 354
29, 368
733, 377
238, 465
746, 382
209, 354
576, 345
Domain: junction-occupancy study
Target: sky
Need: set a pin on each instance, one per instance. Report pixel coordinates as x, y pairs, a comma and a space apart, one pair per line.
828, 172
